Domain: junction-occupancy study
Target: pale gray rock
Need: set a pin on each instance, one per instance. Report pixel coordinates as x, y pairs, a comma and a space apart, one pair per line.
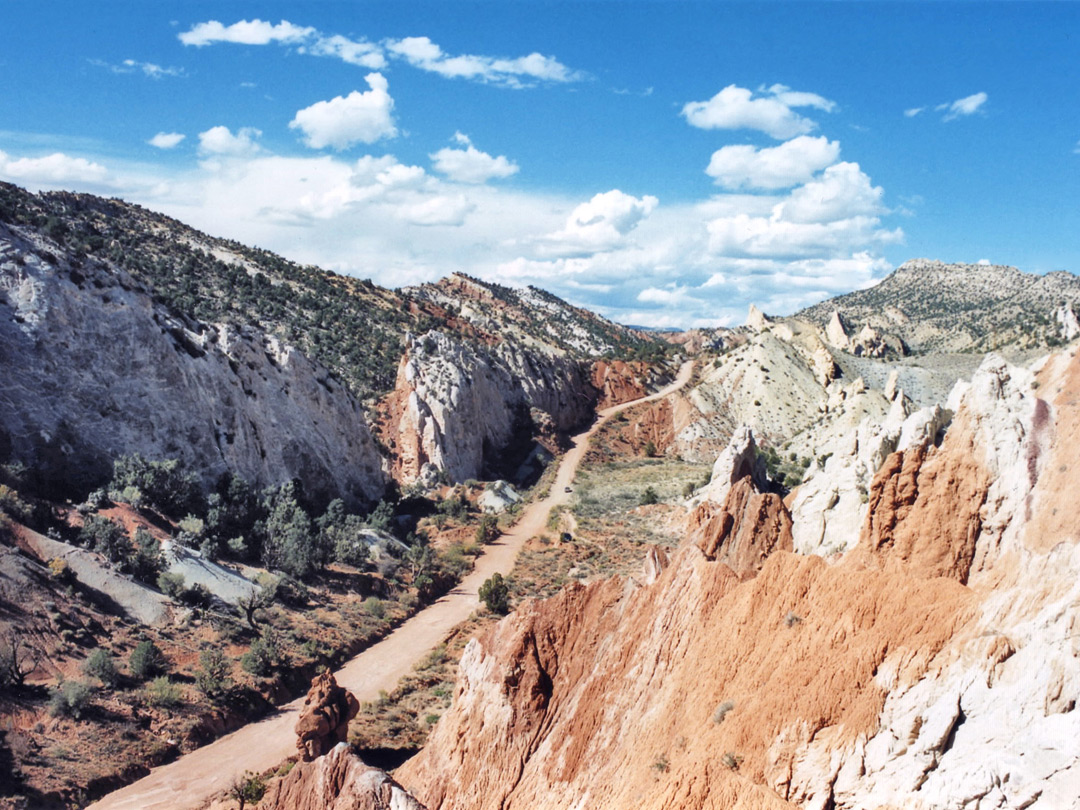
467, 403
94, 368
739, 459
1067, 320
497, 497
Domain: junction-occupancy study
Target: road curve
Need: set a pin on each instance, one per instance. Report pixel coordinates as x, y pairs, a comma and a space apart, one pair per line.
189, 781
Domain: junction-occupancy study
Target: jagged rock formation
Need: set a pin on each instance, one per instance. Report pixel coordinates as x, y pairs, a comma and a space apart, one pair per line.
867, 342
324, 720
831, 504
937, 307
739, 460
749, 527
936, 665
1067, 320
338, 781
95, 368
458, 408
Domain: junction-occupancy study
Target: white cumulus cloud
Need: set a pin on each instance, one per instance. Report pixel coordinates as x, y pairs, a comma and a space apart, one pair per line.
600, 224
790, 163
969, 105
441, 210
842, 192
470, 165
220, 140
353, 52
770, 111
55, 168
346, 120
166, 140
244, 32
422, 53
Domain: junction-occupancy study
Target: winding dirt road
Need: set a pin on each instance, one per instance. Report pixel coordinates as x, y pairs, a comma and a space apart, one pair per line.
189, 781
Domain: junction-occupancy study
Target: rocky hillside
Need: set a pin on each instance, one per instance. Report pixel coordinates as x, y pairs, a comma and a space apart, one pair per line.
934, 665
938, 307
95, 368
130, 332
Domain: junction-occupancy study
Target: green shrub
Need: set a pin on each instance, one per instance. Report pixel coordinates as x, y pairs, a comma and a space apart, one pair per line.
164, 484
105, 537
262, 656
147, 562
70, 699
649, 497
197, 596
247, 788
146, 660
100, 665
212, 677
495, 594
488, 530
170, 584
11, 504
164, 693
375, 607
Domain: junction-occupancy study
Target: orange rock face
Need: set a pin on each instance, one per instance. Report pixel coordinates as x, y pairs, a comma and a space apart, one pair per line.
748, 528
618, 381
921, 670
324, 722
924, 513
610, 696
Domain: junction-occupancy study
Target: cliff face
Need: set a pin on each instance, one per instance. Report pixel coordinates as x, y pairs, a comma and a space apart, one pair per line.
934, 665
459, 406
93, 368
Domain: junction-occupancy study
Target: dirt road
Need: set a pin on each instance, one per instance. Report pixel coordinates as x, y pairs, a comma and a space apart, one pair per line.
187, 783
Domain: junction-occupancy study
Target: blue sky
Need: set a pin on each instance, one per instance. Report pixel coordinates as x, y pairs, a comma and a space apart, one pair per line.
662, 163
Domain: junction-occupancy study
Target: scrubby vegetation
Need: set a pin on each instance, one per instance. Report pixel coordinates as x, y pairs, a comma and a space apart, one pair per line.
350, 325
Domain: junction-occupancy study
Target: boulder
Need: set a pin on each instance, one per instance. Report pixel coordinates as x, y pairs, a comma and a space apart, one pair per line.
324, 720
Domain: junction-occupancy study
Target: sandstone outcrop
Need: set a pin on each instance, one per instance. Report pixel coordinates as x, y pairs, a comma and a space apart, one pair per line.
497, 497
936, 665
831, 504
338, 781
738, 460
464, 408
1066, 318
619, 381
94, 368
749, 527
324, 720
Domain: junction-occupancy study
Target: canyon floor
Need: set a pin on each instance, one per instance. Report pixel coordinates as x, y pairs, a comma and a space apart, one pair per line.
189, 781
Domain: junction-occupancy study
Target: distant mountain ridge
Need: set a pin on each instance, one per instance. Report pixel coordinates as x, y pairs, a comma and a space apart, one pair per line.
938, 307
